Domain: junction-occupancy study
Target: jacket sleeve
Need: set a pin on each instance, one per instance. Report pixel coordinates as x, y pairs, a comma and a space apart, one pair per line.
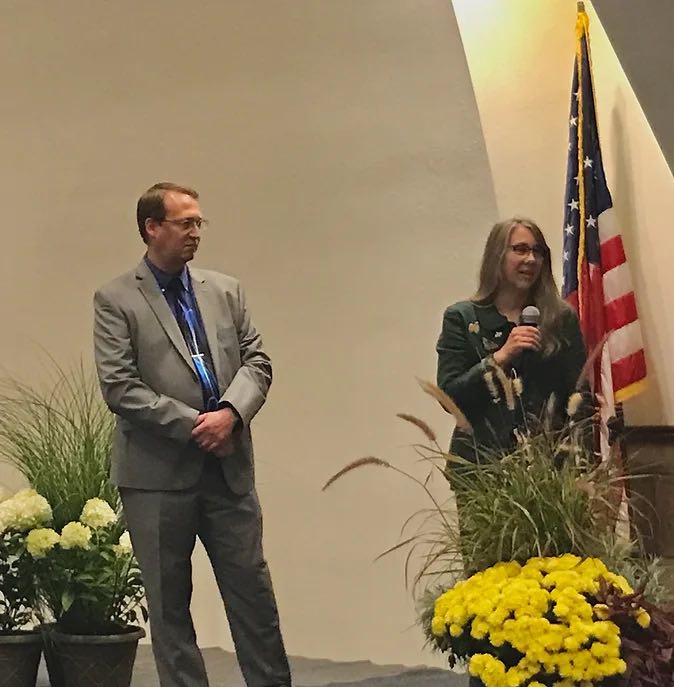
248, 389
123, 390
459, 376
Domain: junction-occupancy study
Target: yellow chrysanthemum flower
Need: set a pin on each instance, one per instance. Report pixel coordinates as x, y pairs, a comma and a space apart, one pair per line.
489, 669
619, 581
643, 618
541, 609
455, 630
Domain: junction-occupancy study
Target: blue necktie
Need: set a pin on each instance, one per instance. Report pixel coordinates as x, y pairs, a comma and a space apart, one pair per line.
193, 334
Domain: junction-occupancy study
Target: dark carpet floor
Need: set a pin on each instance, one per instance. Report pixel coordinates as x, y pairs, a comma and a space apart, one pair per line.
307, 672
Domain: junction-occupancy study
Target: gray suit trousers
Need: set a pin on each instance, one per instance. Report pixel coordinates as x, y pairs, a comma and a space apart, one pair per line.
163, 527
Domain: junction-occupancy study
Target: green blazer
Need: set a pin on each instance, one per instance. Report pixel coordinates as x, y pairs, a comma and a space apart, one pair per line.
470, 334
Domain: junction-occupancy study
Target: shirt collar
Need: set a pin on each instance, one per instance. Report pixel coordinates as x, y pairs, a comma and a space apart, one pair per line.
163, 278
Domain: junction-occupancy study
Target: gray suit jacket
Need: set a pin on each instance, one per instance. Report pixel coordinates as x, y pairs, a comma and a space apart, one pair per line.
148, 379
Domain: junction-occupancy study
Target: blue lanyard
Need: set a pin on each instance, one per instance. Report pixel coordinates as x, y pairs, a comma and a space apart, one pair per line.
208, 383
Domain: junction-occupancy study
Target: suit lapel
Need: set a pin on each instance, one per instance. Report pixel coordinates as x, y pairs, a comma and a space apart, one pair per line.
157, 302
203, 292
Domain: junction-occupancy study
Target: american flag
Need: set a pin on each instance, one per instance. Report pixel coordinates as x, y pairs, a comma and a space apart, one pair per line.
596, 279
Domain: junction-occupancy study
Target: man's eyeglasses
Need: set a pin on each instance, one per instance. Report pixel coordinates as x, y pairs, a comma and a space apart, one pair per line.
523, 249
186, 223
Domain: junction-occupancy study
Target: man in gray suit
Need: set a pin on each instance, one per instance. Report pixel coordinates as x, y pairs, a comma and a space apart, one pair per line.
182, 366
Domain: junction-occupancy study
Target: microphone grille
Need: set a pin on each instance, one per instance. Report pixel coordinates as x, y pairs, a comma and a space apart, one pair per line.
531, 315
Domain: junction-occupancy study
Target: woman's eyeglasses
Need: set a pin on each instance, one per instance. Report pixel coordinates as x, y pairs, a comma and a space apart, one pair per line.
523, 249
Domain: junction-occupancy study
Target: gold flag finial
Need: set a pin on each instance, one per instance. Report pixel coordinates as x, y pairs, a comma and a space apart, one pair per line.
580, 6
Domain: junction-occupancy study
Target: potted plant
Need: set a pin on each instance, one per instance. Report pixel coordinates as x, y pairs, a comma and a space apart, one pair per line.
59, 436
86, 581
90, 596
20, 644
531, 585
546, 622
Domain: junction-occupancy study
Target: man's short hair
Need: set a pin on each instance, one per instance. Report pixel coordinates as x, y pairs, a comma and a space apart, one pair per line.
151, 203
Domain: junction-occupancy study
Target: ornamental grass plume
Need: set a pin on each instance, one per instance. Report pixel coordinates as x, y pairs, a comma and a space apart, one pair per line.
448, 404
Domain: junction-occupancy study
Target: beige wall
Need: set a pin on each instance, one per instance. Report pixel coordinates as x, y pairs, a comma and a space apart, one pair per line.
339, 154
520, 54
338, 151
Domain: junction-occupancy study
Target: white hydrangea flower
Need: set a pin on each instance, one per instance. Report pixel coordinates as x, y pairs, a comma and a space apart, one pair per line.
75, 535
24, 493
40, 541
24, 511
97, 513
123, 547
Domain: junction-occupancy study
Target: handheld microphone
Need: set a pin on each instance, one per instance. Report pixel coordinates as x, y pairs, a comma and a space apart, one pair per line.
530, 316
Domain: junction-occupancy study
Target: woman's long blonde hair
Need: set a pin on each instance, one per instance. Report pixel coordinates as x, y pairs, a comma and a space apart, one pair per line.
544, 293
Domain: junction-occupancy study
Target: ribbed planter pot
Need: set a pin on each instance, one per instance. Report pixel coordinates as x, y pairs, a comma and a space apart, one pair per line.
19, 659
91, 660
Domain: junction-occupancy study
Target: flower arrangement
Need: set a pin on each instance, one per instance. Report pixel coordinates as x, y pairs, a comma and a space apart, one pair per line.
87, 578
535, 624
26, 509
533, 585
84, 578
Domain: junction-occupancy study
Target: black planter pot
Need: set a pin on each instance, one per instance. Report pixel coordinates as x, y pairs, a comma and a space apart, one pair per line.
91, 660
19, 659
50, 658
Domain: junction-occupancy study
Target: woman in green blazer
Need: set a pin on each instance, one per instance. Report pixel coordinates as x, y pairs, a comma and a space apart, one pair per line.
481, 337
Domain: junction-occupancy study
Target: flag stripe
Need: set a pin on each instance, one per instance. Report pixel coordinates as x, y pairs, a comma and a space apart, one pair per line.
628, 369
625, 341
621, 311
608, 226
634, 389
612, 253
617, 282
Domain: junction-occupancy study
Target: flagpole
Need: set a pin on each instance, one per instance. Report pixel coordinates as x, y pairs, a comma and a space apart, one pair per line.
618, 428
615, 425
